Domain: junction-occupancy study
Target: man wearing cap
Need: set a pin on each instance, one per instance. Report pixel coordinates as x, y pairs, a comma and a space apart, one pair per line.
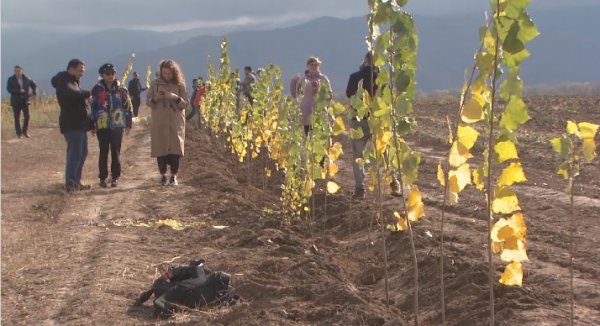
112, 114
135, 90
73, 121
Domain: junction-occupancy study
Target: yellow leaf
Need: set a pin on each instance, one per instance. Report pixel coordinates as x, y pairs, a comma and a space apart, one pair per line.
513, 274
589, 149
415, 204
508, 235
472, 111
478, 181
335, 151
382, 142
401, 223
338, 126
308, 187
506, 150
338, 108
332, 187
440, 175
266, 134
333, 169
459, 155
571, 128
360, 161
459, 178
467, 136
268, 172
505, 201
171, 223
512, 174
587, 130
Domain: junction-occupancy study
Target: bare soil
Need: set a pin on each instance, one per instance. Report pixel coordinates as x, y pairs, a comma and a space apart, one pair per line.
65, 260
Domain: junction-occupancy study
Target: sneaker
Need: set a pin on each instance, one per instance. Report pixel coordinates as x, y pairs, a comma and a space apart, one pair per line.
84, 187
113, 183
395, 185
163, 180
103, 183
19, 136
71, 188
26, 135
173, 181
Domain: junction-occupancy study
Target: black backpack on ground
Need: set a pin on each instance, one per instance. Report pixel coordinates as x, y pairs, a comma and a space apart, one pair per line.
189, 286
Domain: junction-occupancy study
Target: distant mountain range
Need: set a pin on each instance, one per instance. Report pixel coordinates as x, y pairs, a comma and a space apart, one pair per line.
568, 49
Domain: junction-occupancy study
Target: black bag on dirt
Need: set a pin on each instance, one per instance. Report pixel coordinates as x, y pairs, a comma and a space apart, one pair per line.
189, 286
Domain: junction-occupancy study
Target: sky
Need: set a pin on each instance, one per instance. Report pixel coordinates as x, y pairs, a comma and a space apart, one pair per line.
94, 15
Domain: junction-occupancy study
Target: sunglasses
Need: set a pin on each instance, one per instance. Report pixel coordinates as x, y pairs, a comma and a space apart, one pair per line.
109, 73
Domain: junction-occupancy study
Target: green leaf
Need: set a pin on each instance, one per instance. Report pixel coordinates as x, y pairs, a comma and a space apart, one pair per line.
528, 30
515, 114
562, 147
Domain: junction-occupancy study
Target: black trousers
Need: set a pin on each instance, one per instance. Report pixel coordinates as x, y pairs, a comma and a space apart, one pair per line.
172, 160
135, 101
109, 139
17, 114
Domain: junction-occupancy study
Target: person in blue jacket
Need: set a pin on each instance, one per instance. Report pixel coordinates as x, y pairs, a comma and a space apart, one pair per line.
112, 116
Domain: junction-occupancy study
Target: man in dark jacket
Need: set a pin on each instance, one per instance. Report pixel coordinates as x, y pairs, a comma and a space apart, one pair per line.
135, 90
18, 86
368, 75
74, 121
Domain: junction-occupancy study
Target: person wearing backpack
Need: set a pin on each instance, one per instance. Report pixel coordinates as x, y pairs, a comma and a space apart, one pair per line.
112, 116
168, 98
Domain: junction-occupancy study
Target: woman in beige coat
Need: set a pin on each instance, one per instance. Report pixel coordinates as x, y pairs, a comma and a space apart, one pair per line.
168, 99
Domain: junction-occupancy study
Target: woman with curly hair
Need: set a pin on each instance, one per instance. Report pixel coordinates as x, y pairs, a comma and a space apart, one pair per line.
168, 98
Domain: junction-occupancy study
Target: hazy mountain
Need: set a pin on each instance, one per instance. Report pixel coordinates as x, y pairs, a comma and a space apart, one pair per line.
566, 51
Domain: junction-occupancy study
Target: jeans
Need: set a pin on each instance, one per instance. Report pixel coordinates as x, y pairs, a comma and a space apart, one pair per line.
17, 115
109, 139
170, 159
135, 102
77, 150
358, 147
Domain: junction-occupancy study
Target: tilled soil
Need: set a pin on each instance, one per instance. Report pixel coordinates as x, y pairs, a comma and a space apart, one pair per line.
70, 259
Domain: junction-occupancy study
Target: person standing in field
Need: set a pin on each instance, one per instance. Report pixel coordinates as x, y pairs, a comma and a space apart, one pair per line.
196, 100
249, 79
112, 116
135, 91
168, 99
309, 86
74, 121
367, 75
18, 86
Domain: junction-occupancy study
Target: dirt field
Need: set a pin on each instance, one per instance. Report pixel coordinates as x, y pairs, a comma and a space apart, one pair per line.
66, 262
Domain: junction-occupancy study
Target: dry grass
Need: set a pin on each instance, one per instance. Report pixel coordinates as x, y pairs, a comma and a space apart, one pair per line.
44, 113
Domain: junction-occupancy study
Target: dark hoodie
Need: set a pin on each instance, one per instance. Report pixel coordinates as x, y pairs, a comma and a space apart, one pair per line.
72, 101
364, 74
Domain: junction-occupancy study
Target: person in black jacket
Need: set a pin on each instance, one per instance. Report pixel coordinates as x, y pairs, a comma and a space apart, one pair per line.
367, 74
135, 90
18, 86
74, 121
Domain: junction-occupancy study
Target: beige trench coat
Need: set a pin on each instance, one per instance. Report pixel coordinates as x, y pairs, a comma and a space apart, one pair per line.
168, 118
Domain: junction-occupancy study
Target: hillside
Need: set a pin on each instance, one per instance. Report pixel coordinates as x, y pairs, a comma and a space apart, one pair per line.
566, 51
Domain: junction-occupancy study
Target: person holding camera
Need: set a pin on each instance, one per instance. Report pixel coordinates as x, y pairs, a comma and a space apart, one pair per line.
168, 99
111, 113
18, 86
